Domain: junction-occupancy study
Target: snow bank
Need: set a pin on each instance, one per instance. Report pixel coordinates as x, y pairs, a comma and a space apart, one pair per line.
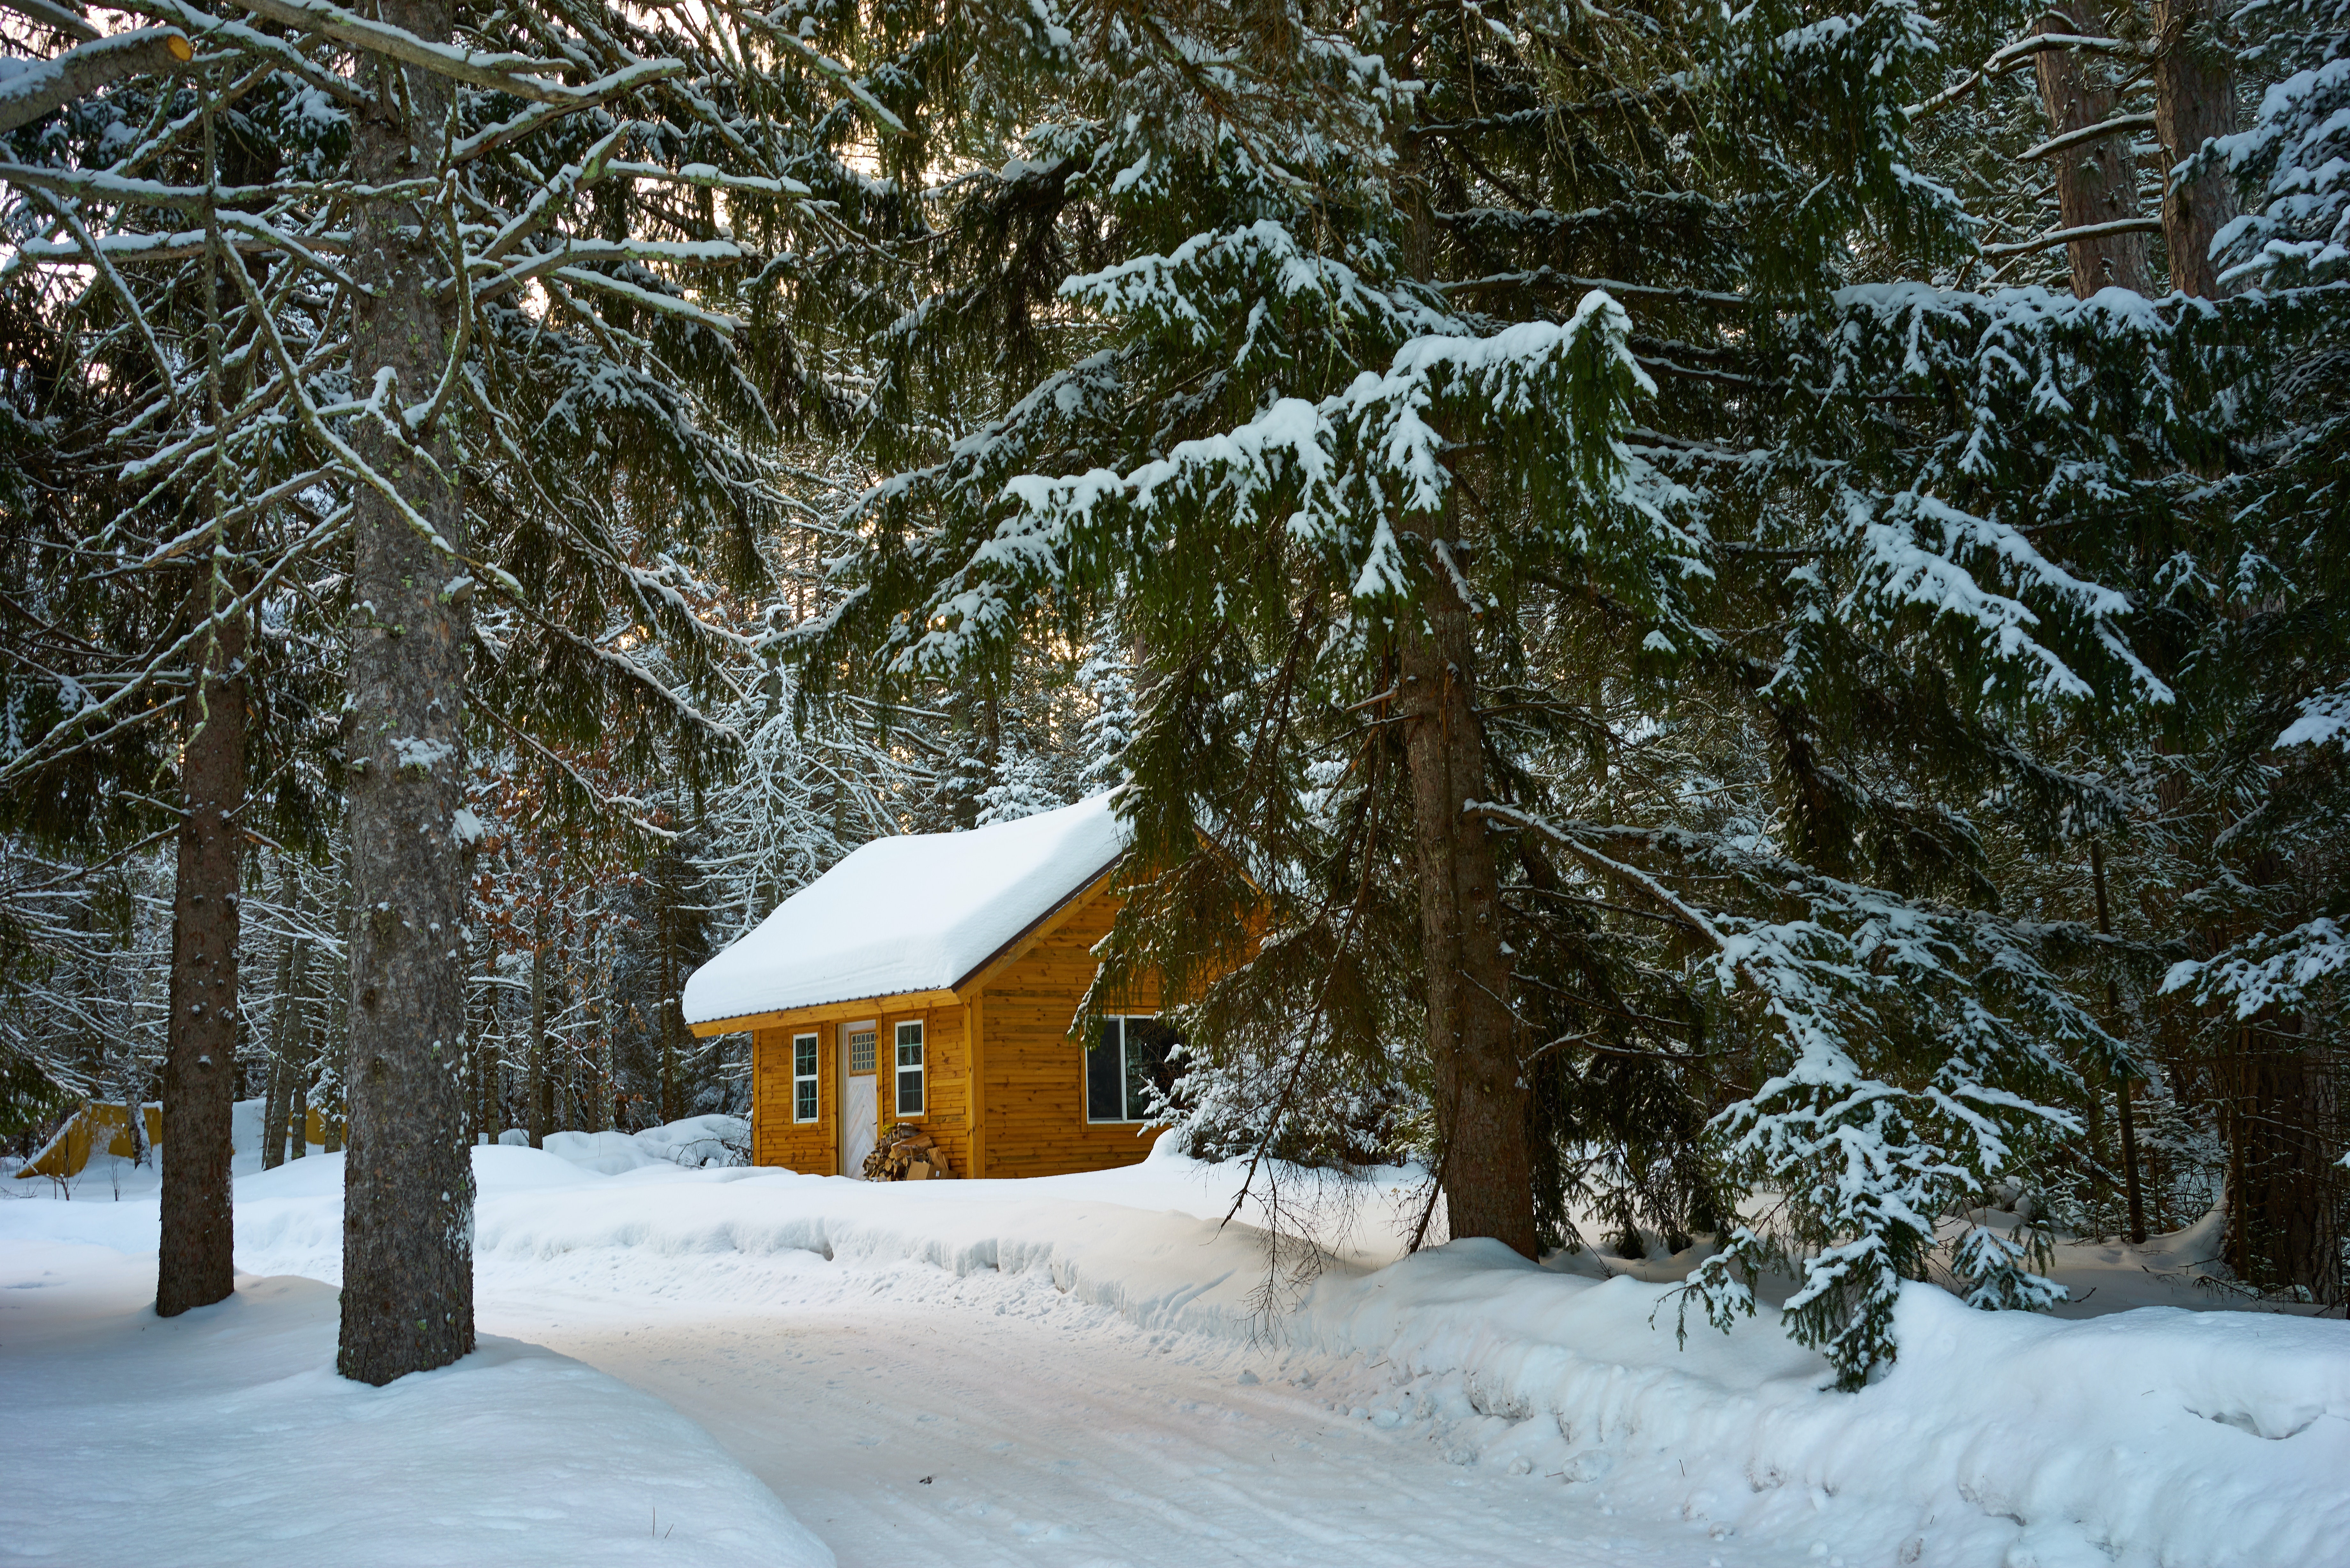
691, 1143
918, 912
223, 1435
2154, 1436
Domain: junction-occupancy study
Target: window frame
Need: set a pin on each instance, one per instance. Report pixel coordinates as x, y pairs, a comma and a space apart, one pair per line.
848, 1034
813, 1078
918, 1069
1085, 1084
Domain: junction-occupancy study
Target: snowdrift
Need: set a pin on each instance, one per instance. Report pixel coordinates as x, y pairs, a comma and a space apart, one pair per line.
223, 1435
2153, 1436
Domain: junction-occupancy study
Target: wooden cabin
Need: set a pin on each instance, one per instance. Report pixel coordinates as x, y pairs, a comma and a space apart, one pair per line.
934, 978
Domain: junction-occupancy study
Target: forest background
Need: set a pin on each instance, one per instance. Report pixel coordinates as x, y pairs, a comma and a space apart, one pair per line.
1693, 602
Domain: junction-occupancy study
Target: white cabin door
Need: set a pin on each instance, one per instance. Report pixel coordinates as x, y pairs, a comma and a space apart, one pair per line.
858, 1098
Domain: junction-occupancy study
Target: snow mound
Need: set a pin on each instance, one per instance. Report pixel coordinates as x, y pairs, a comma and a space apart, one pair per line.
919, 912
2148, 1436
694, 1143
225, 1436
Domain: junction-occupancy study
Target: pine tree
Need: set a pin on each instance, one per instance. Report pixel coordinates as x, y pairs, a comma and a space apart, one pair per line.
1601, 523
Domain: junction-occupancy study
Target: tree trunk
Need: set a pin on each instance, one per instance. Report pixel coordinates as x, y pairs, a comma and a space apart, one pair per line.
297, 1108
273, 1107
272, 1111
484, 1053
2283, 1183
1472, 1036
2194, 101
408, 1207
2132, 1190
2096, 181
196, 1262
669, 1015
286, 1026
537, 1090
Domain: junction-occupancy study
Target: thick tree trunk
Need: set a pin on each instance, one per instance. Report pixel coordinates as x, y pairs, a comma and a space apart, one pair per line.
195, 1264
2095, 182
1472, 1036
2194, 101
408, 1207
2283, 1185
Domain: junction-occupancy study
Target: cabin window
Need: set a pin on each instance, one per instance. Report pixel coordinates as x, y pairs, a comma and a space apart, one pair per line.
802, 1077
910, 1069
861, 1050
1127, 1061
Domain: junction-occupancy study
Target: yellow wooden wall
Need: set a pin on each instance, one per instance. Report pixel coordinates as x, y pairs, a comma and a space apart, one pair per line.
814, 1148
1033, 1075
810, 1148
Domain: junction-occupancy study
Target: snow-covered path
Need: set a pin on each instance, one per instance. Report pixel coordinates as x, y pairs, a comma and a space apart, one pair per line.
1060, 1372
907, 1416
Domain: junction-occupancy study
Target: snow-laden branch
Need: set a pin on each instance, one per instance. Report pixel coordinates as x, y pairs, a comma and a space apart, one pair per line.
516, 74
31, 89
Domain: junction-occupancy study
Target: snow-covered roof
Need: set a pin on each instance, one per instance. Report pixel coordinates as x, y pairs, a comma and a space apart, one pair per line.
922, 912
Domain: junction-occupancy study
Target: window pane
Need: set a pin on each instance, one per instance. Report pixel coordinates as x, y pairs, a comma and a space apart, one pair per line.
1148, 1074
910, 1069
804, 1096
804, 1056
1105, 1077
860, 1051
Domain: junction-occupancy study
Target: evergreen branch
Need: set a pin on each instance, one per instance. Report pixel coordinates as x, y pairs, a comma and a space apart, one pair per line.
37, 89
2118, 125
64, 19
2085, 232
505, 73
252, 41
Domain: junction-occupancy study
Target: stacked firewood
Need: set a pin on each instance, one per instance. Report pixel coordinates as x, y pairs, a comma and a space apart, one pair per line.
907, 1154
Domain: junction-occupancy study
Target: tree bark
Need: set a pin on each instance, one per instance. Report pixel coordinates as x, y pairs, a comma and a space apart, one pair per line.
2095, 182
2194, 101
2131, 1189
408, 1264
670, 1014
538, 1091
196, 1262
273, 1109
297, 1112
293, 964
2284, 1232
1472, 1036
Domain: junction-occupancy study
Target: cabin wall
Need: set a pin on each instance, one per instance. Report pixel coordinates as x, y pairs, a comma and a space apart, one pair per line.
946, 1113
813, 1148
1033, 1075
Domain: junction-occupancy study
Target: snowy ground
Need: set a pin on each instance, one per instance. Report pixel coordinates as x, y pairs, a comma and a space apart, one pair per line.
1067, 1371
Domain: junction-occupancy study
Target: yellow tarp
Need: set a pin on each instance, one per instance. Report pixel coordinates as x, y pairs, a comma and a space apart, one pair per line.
67, 1153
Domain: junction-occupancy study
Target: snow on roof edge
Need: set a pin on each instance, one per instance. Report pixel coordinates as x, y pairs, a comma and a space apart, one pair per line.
1073, 895
909, 913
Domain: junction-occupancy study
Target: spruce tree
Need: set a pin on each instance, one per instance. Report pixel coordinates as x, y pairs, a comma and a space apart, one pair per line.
1554, 526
